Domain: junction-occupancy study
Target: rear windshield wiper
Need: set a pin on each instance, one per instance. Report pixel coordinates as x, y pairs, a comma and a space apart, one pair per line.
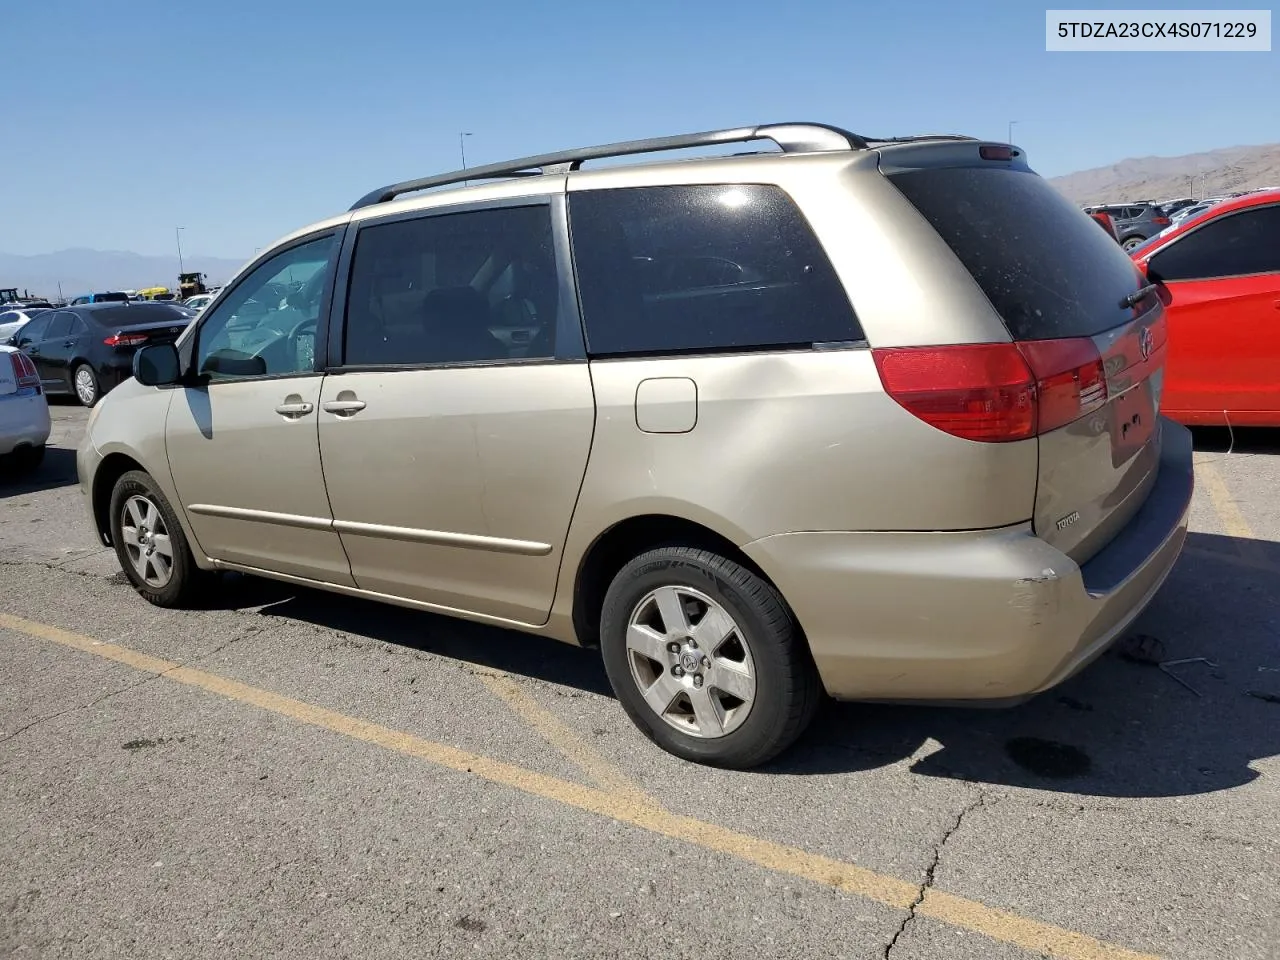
1138, 296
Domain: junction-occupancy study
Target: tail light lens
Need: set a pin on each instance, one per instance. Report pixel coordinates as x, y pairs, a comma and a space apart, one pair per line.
24, 371
1070, 381
1161, 221
981, 391
995, 392
126, 340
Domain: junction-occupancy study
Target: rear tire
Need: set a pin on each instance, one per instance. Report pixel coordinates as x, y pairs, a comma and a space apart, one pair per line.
85, 384
1131, 242
150, 543
740, 685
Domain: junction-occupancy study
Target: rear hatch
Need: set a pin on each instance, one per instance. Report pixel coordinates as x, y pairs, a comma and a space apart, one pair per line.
1091, 334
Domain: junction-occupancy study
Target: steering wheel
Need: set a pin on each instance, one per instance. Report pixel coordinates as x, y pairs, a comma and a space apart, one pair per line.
298, 328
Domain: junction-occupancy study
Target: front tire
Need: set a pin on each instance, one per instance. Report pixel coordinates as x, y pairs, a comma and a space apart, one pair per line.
85, 382
150, 543
706, 658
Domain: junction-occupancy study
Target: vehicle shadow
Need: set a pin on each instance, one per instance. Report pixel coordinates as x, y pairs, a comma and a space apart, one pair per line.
493, 647
57, 470
1121, 728
1236, 440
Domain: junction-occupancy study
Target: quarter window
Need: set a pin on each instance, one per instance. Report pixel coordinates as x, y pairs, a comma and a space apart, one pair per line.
267, 325
1234, 245
702, 269
472, 287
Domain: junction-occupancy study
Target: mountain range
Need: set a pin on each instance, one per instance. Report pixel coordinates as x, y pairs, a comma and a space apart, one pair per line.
1214, 173
1142, 178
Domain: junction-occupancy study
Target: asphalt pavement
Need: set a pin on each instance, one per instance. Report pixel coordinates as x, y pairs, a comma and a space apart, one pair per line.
290, 773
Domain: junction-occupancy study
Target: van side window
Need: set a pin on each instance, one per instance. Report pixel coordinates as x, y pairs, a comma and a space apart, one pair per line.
702, 269
472, 287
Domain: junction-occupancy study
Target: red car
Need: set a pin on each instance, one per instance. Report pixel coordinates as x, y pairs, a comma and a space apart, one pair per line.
1220, 278
1106, 223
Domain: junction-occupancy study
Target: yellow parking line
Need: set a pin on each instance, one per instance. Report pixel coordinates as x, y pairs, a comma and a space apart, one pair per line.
999, 925
557, 733
1229, 515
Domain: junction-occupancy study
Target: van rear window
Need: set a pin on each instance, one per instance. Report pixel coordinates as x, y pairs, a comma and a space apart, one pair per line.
1046, 268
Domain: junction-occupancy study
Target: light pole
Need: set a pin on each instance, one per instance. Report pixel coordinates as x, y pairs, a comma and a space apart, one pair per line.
177, 233
1012, 123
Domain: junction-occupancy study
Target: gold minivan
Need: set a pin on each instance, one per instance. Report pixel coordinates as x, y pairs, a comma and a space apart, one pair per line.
875, 419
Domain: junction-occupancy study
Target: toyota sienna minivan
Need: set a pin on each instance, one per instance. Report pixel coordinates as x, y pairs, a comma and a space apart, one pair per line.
876, 419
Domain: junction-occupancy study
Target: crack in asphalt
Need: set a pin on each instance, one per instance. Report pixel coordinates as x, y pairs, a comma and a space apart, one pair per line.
927, 883
81, 706
149, 678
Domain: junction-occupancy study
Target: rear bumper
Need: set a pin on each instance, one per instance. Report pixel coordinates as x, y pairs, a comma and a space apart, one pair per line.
24, 420
980, 616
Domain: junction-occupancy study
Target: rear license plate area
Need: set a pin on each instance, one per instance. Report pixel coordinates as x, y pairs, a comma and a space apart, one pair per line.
1133, 421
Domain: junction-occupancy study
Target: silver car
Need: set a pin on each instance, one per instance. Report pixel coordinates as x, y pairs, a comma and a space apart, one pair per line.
874, 419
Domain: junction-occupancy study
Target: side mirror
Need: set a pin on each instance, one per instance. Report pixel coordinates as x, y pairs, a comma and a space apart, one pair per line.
157, 365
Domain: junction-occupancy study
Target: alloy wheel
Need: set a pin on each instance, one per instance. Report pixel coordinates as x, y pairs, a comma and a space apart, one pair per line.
691, 662
86, 388
146, 541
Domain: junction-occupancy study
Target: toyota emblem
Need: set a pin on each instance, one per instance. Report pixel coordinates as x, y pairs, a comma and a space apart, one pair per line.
1146, 342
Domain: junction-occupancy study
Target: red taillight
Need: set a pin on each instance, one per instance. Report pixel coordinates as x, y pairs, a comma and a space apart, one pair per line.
24, 370
997, 153
125, 340
995, 392
1161, 221
1070, 381
980, 391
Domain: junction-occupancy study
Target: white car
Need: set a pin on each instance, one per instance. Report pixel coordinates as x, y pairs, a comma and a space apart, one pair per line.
24, 412
12, 320
198, 302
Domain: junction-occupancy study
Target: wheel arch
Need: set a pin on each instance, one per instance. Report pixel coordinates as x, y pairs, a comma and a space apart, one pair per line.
626, 539
111, 469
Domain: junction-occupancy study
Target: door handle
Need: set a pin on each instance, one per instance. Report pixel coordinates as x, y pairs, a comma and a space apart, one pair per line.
295, 408
68, 343
343, 408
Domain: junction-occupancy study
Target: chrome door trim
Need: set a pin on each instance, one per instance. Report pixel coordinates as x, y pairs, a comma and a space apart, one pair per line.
467, 541
443, 538
261, 516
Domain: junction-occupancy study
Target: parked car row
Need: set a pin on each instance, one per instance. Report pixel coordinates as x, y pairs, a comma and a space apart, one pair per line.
1134, 223
86, 350
589, 347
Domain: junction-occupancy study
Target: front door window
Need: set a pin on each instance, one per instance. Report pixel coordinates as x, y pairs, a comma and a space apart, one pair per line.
267, 326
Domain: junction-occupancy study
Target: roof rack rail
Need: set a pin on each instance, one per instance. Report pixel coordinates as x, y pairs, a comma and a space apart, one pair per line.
920, 136
790, 138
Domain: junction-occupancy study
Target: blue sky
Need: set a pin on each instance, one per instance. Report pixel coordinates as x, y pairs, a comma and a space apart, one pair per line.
280, 112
